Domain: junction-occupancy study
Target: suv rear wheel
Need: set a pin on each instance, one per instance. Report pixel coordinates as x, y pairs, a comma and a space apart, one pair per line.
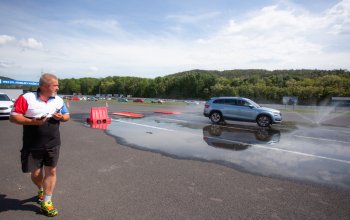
263, 120
215, 117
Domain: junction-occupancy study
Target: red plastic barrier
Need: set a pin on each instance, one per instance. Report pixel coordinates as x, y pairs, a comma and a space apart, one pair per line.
99, 115
102, 126
167, 112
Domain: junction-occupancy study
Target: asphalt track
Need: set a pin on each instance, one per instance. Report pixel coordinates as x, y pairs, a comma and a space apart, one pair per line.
101, 179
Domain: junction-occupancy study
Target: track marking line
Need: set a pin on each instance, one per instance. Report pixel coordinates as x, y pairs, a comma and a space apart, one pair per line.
245, 129
171, 119
326, 129
143, 125
287, 151
322, 139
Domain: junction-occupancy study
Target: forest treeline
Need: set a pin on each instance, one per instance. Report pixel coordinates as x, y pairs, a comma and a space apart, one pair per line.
310, 86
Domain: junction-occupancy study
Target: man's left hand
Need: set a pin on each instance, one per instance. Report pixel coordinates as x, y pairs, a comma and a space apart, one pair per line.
58, 116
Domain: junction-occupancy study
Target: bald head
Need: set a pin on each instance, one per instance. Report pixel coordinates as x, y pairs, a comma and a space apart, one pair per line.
47, 79
48, 84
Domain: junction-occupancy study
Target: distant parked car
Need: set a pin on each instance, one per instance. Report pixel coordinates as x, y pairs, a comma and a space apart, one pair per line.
240, 109
5, 105
157, 101
92, 98
74, 98
192, 102
123, 100
139, 100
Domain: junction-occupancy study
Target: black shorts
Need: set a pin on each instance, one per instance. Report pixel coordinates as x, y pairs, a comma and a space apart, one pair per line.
33, 159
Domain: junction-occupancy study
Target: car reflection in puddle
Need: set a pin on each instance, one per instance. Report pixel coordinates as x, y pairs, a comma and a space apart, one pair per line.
238, 138
266, 152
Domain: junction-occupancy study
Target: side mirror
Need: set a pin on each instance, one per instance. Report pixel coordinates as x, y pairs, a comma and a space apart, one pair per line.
251, 106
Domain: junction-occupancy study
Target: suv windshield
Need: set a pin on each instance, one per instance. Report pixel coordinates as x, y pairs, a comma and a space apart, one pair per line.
4, 97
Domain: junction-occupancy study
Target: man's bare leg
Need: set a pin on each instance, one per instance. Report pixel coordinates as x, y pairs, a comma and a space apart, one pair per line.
49, 180
38, 177
49, 185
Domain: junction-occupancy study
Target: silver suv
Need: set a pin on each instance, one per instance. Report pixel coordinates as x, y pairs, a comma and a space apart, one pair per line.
240, 109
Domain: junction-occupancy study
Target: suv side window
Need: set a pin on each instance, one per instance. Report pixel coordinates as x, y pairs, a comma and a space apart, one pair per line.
230, 101
219, 101
225, 101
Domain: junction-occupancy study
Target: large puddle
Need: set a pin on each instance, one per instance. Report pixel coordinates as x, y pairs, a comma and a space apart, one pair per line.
309, 154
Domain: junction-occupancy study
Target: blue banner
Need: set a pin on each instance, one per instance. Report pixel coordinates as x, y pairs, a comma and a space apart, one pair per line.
17, 82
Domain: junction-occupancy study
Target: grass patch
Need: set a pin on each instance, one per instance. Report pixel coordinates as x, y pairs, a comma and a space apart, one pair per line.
112, 102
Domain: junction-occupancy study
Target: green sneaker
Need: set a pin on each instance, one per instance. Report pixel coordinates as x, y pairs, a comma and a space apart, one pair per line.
40, 196
48, 209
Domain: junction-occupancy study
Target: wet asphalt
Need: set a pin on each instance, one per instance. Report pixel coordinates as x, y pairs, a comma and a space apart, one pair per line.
155, 168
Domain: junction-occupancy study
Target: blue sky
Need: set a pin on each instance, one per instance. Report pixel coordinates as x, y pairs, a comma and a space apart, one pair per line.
91, 38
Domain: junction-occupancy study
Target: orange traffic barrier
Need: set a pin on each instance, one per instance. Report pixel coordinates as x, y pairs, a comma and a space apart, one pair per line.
128, 114
99, 115
102, 126
167, 112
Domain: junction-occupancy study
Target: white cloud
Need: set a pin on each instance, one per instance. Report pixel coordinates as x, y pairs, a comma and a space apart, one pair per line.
191, 23
4, 39
96, 24
31, 43
93, 69
90, 28
5, 64
338, 18
276, 38
193, 18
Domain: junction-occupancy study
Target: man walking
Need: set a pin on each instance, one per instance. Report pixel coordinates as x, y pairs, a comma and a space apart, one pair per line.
40, 113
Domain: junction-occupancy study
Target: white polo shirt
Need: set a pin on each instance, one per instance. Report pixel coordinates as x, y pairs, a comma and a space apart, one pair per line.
31, 106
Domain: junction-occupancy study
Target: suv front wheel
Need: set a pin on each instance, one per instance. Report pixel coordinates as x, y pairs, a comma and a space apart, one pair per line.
216, 117
263, 120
